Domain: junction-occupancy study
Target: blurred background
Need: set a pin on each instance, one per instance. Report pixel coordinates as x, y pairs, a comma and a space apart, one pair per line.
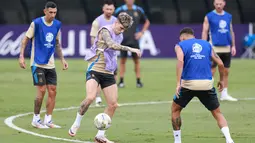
165, 16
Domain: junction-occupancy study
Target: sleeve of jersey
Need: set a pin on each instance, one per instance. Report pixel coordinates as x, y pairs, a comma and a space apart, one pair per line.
31, 30
117, 11
144, 16
94, 29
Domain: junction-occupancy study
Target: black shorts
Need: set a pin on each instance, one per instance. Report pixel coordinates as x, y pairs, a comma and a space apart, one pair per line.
42, 76
103, 79
208, 98
226, 59
116, 72
124, 54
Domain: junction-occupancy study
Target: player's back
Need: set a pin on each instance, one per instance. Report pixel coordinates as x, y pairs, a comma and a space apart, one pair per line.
197, 59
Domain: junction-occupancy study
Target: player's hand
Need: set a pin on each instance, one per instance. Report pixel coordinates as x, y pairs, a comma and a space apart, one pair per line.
65, 64
220, 85
233, 50
22, 63
177, 91
137, 51
138, 35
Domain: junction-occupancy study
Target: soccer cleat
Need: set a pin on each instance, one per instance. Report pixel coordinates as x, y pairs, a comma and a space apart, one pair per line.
228, 98
102, 139
39, 125
139, 85
50, 124
121, 85
73, 130
98, 101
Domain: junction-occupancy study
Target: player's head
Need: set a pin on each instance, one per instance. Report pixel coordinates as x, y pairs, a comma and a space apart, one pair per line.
219, 5
186, 33
124, 22
50, 10
130, 2
108, 8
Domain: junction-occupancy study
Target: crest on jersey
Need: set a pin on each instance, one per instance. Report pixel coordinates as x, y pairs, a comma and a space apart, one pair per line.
49, 37
135, 14
222, 24
196, 48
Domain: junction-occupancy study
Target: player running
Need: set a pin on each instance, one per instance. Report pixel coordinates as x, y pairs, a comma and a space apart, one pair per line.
104, 19
222, 37
194, 79
102, 60
45, 34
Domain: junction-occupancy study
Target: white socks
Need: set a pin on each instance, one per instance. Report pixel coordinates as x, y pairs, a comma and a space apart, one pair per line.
177, 136
78, 119
47, 118
224, 92
225, 131
36, 117
101, 133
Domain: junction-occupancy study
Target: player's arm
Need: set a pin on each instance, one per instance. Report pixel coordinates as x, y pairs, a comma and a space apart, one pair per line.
232, 35
60, 53
94, 30
205, 29
147, 21
29, 35
220, 64
106, 37
179, 64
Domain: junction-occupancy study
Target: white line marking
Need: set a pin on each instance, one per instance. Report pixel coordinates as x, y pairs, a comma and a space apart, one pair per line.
9, 121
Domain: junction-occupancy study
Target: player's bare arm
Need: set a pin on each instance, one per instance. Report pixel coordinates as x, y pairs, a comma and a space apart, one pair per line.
221, 68
106, 37
60, 53
146, 25
179, 67
205, 28
233, 49
22, 49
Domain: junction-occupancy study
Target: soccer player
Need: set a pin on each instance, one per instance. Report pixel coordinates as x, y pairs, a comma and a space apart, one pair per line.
102, 60
222, 38
131, 38
45, 34
104, 19
194, 79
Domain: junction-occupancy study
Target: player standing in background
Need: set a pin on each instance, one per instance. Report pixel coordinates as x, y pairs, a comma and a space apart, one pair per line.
104, 19
194, 79
131, 37
222, 37
45, 33
102, 58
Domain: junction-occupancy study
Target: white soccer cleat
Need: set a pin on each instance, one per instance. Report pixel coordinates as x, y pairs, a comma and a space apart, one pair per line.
121, 85
73, 130
50, 124
227, 98
39, 125
98, 101
102, 139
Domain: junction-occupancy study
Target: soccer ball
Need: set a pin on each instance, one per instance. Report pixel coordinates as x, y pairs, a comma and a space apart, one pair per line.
102, 121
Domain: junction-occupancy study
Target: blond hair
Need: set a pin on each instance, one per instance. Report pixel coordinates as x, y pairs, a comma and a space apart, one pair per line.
125, 19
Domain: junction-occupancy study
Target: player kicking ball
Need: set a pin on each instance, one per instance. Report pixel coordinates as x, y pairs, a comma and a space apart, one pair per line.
102, 60
194, 79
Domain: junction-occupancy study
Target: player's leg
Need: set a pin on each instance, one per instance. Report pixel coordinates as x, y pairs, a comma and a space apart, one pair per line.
51, 82
91, 91
226, 58
210, 101
214, 68
40, 83
123, 60
178, 104
98, 98
136, 60
110, 90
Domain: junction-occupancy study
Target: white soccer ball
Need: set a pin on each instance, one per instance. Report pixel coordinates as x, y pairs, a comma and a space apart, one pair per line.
102, 121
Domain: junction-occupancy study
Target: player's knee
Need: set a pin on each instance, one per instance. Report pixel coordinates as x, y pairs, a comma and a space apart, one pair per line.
226, 73
42, 89
90, 99
113, 105
176, 109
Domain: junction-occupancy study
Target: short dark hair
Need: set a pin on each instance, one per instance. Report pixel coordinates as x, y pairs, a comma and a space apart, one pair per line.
108, 2
50, 4
187, 30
